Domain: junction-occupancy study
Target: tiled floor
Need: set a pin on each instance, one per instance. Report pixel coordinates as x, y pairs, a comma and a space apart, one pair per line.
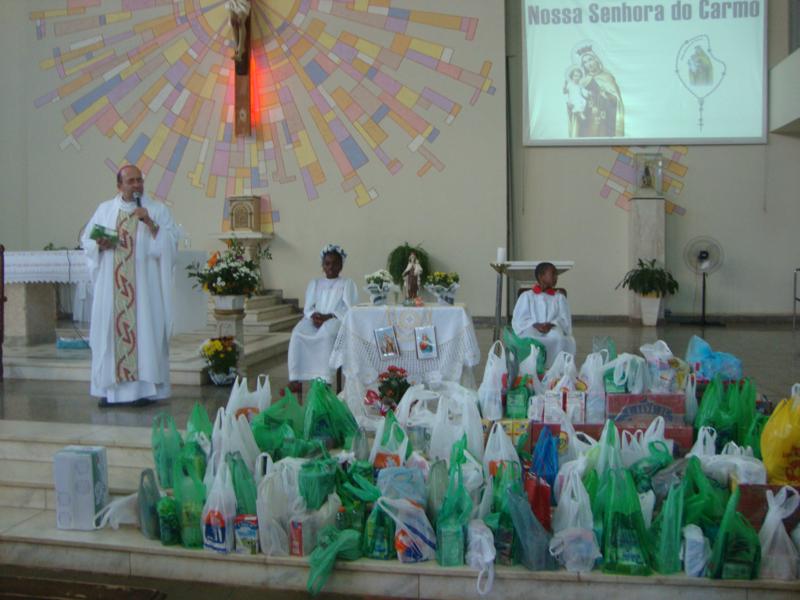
770, 355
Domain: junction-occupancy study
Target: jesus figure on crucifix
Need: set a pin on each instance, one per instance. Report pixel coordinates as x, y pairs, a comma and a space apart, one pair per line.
239, 13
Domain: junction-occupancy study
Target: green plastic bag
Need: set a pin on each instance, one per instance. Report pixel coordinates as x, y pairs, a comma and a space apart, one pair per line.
746, 413
389, 442
193, 459
148, 504
438, 482
704, 501
285, 410
716, 411
517, 403
244, 486
316, 480
753, 436
625, 544
453, 518
521, 348
190, 494
198, 423
327, 418
166, 442
643, 469
736, 553
378, 539
270, 435
533, 539
507, 480
666, 533
299, 448
168, 522
332, 545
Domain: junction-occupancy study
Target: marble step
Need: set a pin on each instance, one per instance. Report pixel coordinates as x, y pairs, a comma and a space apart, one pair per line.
35, 475
268, 313
29, 538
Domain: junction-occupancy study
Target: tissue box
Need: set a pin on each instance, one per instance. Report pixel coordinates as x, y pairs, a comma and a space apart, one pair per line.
81, 482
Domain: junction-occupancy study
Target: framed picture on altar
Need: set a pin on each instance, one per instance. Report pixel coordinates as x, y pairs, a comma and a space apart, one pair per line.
425, 342
386, 340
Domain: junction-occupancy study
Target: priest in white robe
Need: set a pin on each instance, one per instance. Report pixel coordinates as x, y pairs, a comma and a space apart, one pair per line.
542, 313
132, 283
327, 301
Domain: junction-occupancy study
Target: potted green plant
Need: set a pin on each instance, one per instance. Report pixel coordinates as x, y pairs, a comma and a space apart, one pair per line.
651, 282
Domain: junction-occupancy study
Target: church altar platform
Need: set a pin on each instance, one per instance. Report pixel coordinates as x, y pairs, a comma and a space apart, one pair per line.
29, 538
45, 361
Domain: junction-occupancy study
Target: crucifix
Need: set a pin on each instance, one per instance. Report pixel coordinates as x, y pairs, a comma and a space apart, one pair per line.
240, 27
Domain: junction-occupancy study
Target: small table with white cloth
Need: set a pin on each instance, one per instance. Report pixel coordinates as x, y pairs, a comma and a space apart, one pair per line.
356, 350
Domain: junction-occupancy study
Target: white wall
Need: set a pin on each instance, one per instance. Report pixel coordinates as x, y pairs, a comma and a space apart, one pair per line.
744, 196
458, 214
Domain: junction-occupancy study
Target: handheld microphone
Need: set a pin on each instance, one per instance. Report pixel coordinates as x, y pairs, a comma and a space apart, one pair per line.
138, 199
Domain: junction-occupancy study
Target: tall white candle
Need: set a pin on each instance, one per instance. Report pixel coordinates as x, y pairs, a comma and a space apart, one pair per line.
501, 255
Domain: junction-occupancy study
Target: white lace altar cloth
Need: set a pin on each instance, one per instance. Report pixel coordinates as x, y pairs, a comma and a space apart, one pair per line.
45, 266
356, 350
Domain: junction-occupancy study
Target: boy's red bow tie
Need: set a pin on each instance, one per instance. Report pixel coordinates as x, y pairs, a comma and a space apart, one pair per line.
537, 289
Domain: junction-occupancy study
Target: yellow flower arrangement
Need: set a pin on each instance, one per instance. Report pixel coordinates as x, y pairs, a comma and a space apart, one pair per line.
221, 354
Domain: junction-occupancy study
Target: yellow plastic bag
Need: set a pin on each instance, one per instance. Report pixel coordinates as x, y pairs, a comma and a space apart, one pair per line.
780, 442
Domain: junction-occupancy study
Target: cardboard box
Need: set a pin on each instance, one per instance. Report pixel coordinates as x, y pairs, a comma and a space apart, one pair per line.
638, 410
753, 505
81, 482
514, 428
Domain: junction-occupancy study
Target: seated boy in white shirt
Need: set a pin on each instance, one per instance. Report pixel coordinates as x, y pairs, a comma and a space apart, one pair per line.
543, 313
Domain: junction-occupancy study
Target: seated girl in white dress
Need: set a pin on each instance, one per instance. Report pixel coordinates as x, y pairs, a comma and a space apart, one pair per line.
327, 301
543, 313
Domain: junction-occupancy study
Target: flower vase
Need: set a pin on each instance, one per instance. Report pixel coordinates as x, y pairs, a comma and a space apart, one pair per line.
229, 302
222, 379
444, 295
377, 293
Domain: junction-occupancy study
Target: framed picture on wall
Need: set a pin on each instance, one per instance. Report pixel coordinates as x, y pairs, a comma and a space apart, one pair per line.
386, 340
649, 175
425, 341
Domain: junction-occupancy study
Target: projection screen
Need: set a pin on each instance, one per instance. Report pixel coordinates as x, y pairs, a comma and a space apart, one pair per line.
645, 73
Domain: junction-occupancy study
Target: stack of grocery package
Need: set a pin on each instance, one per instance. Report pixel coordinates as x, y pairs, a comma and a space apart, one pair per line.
614, 466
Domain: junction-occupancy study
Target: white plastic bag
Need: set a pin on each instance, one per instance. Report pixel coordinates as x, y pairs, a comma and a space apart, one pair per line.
706, 444
457, 415
481, 553
628, 371
562, 373
778, 554
498, 449
238, 437
735, 461
632, 447
695, 551
418, 406
244, 402
528, 367
661, 374
576, 549
574, 509
491, 389
577, 466
655, 432
121, 511
591, 374
393, 452
647, 501
278, 497
414, 537
219, 512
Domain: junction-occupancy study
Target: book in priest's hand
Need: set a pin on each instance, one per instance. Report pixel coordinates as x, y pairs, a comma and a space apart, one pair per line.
99, 232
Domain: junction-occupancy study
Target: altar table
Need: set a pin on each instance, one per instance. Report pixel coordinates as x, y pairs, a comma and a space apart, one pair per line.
356, 350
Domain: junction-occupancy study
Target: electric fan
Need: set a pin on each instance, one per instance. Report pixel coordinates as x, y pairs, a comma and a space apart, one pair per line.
704, 255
